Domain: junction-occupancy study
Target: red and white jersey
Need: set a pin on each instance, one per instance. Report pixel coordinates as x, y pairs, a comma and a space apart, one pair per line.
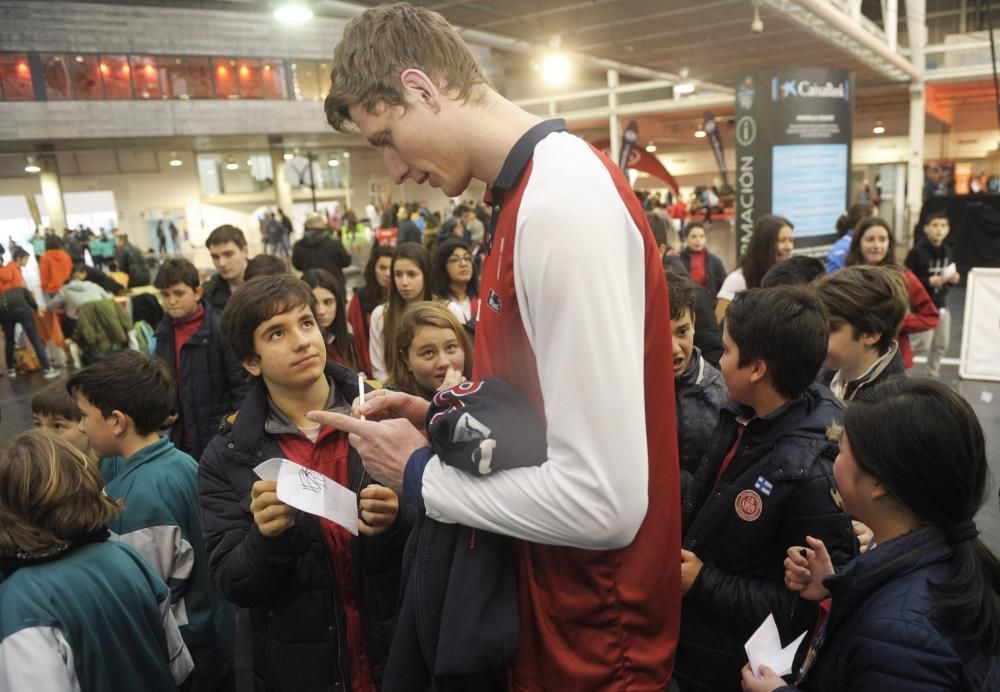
574, 313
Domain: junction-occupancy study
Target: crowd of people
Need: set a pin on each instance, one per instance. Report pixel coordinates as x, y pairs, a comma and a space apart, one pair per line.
585, 456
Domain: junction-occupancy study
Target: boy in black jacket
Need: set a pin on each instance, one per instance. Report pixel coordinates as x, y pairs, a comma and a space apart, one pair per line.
933, 263
210, 381
322, 603
766, 484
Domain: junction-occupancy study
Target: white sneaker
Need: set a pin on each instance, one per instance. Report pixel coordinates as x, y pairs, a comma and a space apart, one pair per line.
51, 374
12, 374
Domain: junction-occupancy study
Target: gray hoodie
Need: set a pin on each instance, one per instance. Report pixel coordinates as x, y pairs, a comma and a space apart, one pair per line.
76, 293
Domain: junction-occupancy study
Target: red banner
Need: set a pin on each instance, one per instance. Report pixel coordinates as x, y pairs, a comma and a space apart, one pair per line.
642, 160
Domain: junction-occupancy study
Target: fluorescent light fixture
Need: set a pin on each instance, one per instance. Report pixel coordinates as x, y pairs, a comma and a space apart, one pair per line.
878, 129
174, 161
651, 147
231, 165
293, 13
684, 88
347, 154
333, 163
288, 157
699, 133
31, 166
555, 69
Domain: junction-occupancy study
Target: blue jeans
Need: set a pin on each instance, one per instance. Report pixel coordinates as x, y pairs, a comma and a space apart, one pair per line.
8, 320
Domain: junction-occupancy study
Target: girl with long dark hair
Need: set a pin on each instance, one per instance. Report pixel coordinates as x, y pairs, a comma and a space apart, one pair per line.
411, 281
770, 243
378, 273
331, 317
455, 280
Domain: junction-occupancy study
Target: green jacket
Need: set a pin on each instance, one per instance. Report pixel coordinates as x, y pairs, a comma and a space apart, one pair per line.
102, 327
162, 520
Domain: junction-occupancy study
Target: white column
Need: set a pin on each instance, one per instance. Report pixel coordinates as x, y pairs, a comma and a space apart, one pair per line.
282, 190
916, 28
614, 129
52, 192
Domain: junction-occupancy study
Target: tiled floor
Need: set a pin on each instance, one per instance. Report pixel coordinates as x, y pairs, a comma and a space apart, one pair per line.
15, 399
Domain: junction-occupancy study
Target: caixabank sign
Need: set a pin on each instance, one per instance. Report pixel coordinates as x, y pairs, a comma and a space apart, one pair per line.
793, 150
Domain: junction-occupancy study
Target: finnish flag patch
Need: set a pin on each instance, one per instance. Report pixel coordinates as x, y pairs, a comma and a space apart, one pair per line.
763, 485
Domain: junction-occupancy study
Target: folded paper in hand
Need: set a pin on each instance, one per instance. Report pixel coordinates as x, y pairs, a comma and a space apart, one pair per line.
312, 492
764, 649
949, 271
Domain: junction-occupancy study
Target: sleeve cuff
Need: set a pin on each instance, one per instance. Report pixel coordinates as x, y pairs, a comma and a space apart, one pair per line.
413, 476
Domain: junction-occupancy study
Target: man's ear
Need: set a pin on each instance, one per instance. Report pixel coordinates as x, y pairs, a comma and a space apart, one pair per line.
252, 365
758, 370
422, 88
120, 420
871, 339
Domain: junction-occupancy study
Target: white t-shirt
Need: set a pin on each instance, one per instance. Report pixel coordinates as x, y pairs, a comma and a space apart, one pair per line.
462, 309
734, 283
376, 343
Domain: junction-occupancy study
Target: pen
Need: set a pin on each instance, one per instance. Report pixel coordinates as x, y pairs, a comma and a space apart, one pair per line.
361, 393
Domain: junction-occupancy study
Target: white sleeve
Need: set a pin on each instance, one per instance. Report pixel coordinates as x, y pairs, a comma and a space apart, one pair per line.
37, 658
376, 343
178, 656
734, 283
588, 338
170, 555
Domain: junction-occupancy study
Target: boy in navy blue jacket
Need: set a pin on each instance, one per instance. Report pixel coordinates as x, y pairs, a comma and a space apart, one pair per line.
210, 380
766, 483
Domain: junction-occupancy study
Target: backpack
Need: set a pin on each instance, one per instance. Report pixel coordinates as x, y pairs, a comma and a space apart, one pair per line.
142, 338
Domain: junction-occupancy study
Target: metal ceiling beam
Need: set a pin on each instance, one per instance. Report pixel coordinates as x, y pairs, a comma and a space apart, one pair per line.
515, 45
858, 36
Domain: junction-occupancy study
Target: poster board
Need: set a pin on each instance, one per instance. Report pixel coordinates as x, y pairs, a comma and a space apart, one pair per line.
980, 357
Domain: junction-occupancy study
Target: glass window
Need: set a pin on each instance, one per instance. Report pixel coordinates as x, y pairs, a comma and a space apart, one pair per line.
304, 80
199, 78
117, 76
248, 72
272, 77
225, 79
57, 85
323, 78
146, 77
15, 78
85, 74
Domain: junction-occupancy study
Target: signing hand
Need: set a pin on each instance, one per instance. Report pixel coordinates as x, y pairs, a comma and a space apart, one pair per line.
379, 507
768, 682
690, 569
805, 573
272, 516
385, 446
383, 404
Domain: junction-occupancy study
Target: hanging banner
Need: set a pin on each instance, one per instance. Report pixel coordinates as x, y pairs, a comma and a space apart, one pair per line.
641, 160
629, 136
793, 151
711, 129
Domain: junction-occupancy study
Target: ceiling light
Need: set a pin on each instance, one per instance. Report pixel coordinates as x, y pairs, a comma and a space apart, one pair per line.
31, 166
174, 161
293, 13
249, 162
555, 69
231, 165
288, 157
878, 129
699, 133
333, 162
684, 88
651, 147
347, 154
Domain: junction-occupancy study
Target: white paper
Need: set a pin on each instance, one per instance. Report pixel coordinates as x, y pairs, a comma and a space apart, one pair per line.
764, 649
949, 271
312, 492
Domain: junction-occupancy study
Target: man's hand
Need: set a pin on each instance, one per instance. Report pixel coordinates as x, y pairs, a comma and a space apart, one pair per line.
806, 568
383, 404
272, 516
379, 507
690, 569
385, 446
768, 682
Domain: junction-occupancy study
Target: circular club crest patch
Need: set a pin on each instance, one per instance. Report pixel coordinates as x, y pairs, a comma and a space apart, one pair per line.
749, 505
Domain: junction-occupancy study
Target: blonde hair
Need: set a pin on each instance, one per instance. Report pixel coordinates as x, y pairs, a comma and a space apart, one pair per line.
383, 42
51, 494
424, 314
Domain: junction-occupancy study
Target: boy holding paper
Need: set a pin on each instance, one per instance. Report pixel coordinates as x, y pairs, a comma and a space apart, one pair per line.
123, 402
933, 262
765, 484
322, 602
